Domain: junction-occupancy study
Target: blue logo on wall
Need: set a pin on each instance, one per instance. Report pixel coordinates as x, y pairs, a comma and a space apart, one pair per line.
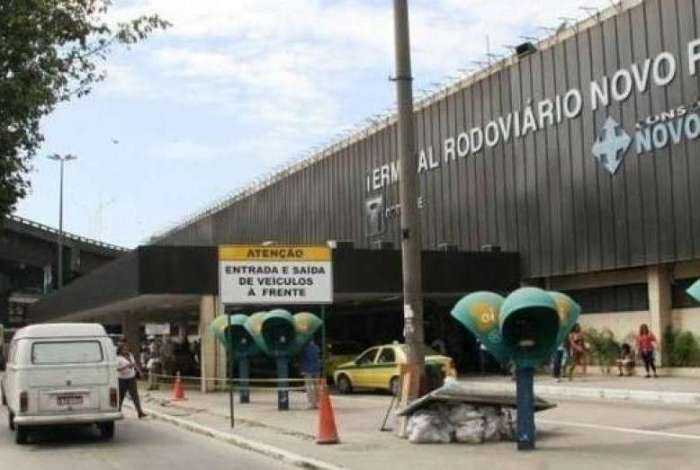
610, 146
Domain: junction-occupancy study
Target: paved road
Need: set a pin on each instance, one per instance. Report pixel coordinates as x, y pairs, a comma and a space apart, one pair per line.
138, 444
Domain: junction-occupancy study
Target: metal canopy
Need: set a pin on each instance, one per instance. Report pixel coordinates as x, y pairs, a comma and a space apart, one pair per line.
169, 280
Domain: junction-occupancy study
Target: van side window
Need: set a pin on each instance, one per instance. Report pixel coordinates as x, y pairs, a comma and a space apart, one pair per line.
67, 352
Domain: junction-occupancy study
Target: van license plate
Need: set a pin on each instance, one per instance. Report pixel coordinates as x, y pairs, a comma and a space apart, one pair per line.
67, 400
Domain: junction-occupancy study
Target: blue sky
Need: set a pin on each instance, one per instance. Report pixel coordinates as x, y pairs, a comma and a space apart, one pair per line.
236, 88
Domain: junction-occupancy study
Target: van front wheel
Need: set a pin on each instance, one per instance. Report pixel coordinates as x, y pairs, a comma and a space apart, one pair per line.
21, 435
106, 430
11, 420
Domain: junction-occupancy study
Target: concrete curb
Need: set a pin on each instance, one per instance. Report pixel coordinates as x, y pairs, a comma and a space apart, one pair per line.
244, 443
593, 393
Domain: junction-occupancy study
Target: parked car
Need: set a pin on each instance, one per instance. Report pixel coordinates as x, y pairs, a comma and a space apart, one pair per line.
62, 373
378, 368
340, 352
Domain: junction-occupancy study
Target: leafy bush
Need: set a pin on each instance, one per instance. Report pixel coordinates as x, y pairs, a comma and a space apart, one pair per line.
685, 351
682, 347
670, 337
603, 348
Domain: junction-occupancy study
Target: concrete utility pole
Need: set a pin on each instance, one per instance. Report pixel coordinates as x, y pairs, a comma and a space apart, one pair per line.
408, 193
61, 159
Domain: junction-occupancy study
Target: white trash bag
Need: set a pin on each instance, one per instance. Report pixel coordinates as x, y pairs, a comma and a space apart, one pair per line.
508, 425
429, 427
492, 423
471, 432
462, 413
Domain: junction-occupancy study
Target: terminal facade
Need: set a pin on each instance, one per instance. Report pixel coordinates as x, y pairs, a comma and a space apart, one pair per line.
579, 153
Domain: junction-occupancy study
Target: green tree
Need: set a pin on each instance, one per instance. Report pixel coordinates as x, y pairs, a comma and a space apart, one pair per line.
51, 51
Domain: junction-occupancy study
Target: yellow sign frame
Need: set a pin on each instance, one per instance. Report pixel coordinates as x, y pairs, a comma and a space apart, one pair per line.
275, 253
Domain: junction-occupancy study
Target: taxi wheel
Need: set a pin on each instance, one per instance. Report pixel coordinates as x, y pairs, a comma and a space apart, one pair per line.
394, 386
344, 385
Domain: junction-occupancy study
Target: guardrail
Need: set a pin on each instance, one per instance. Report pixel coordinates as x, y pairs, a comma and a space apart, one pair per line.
68, 235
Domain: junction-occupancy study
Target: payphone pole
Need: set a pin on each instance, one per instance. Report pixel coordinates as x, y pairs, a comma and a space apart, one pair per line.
244, 373
282, 375
231, 363
526, 407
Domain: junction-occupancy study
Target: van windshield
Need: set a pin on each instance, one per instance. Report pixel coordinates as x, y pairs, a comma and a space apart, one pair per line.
67, 352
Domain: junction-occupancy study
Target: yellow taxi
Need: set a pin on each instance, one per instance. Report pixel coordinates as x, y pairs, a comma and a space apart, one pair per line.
378, 368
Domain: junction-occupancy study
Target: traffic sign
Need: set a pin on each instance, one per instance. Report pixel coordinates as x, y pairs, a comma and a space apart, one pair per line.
275, 275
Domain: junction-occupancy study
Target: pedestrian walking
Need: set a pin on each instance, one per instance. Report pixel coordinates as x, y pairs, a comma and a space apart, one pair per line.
646, 342
127, 370
558, 361
310, 367
578, 353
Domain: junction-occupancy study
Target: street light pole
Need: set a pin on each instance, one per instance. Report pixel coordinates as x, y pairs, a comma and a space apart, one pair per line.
61, 159
408, 194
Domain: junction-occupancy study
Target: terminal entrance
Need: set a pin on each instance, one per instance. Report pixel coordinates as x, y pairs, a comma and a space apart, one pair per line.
180, 285
360, 327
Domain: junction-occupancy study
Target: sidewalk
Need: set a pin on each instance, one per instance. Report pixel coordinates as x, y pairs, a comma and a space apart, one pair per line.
289, 436
662, 391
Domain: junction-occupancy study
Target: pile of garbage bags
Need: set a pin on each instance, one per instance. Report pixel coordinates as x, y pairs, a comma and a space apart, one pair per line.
442, 423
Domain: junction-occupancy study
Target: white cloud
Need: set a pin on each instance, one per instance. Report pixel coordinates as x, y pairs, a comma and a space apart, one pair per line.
123, 80
303, 47
288, 70
187, 151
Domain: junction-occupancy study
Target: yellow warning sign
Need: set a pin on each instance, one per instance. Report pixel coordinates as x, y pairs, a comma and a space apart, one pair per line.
274, 253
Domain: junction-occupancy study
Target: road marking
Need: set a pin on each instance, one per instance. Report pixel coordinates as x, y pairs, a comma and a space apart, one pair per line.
694, 437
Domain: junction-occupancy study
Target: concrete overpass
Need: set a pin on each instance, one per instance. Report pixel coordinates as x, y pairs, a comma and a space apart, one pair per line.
28, 260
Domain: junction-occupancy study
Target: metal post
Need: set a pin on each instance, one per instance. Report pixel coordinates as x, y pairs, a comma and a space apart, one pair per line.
60, 228
231, 401
61, 159
244, 374
324, 346
526, 408
408, 192
282, 375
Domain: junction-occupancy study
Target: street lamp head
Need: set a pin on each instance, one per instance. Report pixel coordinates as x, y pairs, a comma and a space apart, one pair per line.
62, 158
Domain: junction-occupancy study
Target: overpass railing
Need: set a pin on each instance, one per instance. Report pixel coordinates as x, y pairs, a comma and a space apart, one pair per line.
68, 235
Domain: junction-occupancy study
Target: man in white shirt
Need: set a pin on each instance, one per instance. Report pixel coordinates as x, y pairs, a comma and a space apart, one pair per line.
126, 371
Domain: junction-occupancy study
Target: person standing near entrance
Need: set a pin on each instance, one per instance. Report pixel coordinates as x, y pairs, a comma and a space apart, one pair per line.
310, 367
646, 342
126, 370
577, 350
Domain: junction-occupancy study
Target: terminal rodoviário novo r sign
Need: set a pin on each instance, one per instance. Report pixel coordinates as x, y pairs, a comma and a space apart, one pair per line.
277, 274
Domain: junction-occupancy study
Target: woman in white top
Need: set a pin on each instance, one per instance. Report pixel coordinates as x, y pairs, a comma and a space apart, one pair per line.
126, 370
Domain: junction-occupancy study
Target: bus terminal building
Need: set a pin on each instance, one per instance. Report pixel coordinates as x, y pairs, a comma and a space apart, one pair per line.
580, 154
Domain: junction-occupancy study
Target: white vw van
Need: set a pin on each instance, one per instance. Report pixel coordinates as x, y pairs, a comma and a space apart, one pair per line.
61, 373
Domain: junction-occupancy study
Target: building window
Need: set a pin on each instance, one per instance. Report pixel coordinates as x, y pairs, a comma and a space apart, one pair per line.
627, 298
679, 296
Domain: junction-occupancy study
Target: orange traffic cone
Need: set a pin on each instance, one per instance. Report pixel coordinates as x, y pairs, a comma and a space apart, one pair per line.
178, 391
327, 432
